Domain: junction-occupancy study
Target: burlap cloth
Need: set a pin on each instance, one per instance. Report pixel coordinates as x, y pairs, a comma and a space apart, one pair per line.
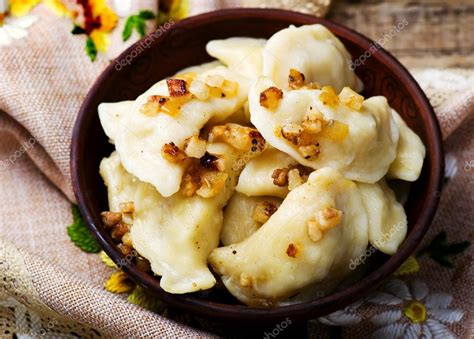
49, 287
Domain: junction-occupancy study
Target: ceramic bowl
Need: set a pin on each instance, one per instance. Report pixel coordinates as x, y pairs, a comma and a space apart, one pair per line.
182, 44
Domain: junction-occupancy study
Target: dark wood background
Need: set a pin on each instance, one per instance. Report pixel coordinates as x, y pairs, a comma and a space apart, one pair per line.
439, 33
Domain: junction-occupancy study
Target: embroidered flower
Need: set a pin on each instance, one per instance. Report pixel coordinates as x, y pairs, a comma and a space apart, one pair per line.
106, 16
106, 260
418, 313
97, 20
59, 8
22, 7
119, 283
14, 28
410, 266
100, 39
346, 317
172, 9
142, 298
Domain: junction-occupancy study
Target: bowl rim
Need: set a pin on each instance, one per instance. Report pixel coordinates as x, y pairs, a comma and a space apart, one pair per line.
308, 309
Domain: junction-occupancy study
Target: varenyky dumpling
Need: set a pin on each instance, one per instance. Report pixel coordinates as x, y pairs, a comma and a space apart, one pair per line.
111, 116
244, 215
318, 228
312, 50
318, 128
121, 185
410, 153
170, 112
241, 55
207, 66
177, 233
256, 177
387, 218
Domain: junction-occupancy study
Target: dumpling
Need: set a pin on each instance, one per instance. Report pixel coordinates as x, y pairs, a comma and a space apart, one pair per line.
121, 185
256, 177
111, 116
318, 128
207, 66
241, 55
157, 119
318, 228
387, 218
244, 215
312, 50
177, 233
410, 153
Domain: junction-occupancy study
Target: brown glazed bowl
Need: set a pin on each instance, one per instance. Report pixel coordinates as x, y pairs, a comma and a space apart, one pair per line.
182, 45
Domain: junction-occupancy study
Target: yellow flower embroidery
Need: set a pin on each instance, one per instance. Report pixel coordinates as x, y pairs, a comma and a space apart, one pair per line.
179, 9
142, 298
22, 7
106, 260
415, 311
58, 8
100, 39
119, 283
174, 9
108, 19
97, 6
410, 266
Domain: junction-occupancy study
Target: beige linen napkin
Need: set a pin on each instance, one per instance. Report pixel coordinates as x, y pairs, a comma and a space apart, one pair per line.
54, 288
48, 285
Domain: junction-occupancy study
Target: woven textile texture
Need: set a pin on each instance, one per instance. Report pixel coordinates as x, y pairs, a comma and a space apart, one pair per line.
50, 287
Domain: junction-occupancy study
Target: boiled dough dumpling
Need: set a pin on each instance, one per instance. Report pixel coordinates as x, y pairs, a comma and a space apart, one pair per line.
111, 116
241, 55
256, 177
207, 66
410, 153
312, 50
140, 137
239, 222
281, 258
177, 233
121, 185
387, 218
363, 154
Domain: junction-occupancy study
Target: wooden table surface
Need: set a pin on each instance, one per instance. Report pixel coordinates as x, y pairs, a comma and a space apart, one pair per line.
436, 33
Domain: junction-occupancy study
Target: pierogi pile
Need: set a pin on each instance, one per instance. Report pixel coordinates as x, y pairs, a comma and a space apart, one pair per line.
266, 168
